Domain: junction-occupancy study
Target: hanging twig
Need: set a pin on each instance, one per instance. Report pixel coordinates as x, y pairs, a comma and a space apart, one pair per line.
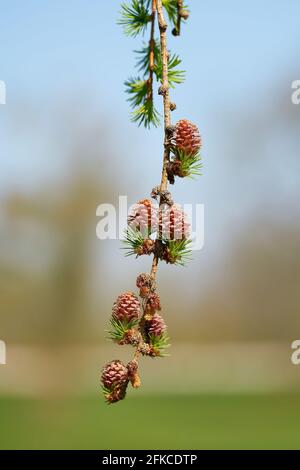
136, 321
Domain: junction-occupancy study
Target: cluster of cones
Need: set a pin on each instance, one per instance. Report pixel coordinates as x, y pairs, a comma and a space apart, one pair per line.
170, 222
136, 323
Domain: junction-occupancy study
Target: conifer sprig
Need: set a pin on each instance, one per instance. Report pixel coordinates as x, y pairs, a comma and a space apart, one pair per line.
133, 241
186, 164
178, 251
171, 10
175, 76
163, 231
191, 165
143, 56
146, 114
137, 90
159, 344
135, 18
119, 328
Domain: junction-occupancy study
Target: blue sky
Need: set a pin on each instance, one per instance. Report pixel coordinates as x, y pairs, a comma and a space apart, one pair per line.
46, 45
230, 49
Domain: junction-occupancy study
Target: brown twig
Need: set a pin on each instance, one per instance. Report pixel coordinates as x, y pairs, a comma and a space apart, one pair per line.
164, 91
179, 16
152, 47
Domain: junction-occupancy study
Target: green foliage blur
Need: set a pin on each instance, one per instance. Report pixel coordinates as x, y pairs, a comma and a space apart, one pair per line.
262, 421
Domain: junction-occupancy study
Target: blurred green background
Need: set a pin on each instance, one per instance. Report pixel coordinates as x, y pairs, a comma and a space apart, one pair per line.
153, 422
66, 146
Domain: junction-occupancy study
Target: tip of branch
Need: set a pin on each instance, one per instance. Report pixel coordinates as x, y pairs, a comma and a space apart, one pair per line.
163, 27
184, 14
162, 90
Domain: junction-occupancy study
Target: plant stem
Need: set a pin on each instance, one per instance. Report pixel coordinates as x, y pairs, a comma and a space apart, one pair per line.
164, 91
167, 112
151, 47
179, 8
